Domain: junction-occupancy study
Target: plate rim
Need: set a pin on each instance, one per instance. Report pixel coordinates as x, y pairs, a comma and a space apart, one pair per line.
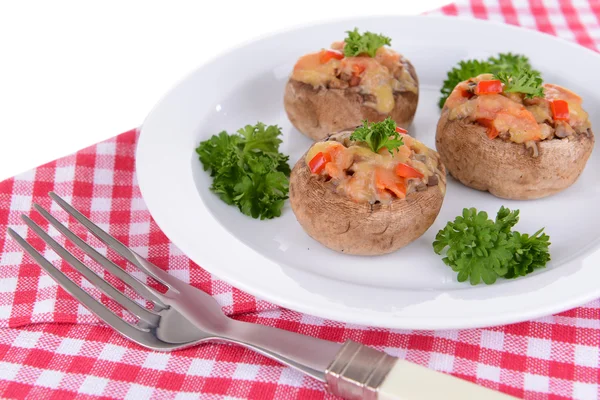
393, 322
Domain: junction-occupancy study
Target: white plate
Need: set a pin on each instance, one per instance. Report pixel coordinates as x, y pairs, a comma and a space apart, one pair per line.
412, 288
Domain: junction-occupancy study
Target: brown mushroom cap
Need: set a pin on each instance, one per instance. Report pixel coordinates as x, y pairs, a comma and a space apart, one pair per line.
318, 112
506, 169
349, 227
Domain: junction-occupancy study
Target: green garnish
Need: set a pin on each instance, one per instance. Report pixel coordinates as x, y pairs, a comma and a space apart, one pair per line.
523, 81
356, 44
482, 249
248, 170
506, 64
379, 135
465, 70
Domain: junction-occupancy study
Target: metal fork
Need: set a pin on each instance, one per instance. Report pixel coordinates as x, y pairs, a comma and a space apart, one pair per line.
184, 316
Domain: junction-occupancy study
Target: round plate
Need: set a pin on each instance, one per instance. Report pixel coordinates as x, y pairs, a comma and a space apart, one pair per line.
411, 288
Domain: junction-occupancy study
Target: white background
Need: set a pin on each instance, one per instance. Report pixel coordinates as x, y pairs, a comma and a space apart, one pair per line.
73, 73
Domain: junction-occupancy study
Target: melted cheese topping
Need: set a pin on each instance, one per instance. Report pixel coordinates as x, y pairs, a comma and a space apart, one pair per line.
375, 80
379, 76
578, 117
508, 116
522, 119
356, 171
309, 69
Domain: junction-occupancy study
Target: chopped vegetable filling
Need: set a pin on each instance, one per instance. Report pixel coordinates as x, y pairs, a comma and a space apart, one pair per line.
376, 164
361, 63
516, 117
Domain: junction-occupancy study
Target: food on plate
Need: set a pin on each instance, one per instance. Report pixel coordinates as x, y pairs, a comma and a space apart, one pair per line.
248, 170
502, 63
369, 190
480, 249
359, 78
513, 135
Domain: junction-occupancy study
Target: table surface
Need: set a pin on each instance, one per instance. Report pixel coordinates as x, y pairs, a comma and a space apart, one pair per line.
67, 65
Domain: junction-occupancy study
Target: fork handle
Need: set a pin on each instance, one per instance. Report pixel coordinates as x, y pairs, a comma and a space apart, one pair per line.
407, 381
354, 371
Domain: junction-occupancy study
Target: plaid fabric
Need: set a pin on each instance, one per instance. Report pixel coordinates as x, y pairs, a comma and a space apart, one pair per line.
51, 347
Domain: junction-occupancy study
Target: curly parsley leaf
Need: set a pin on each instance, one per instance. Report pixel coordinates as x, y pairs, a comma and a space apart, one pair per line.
523, 81
261, 137
262, 194
508, 62
506, 219
248, 170
477, 249
531, 253
214, 150
504, 63
465, 70
367, 43
480, 249
230, 170
378, 135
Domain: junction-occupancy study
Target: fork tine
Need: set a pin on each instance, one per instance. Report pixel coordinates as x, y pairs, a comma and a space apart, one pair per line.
131, 281
141, 337
91, 276
117, 246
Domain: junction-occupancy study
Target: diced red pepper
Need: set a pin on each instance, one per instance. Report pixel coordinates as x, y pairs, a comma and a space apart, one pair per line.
318, 162
327, 55
560, 110
406, 171
401, 131
357, 69
492, 132
488, 87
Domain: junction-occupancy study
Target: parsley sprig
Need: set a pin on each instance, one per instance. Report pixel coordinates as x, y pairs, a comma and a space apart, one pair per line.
522, 81
508, 62
508, 66
367, 43
480, 249
379, 135
248, 170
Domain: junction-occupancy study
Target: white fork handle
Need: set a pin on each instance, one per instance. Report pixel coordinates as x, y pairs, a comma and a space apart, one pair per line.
362, 373
357, 372
409, 381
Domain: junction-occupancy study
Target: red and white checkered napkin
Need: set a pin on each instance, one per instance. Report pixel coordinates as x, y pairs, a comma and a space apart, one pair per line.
51, 347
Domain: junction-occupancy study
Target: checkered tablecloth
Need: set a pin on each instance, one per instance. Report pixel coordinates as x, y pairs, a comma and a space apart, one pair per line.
51, 347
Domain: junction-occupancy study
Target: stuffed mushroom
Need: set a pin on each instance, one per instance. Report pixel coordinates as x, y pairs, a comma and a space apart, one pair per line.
358, 201
514, 146
359, 78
